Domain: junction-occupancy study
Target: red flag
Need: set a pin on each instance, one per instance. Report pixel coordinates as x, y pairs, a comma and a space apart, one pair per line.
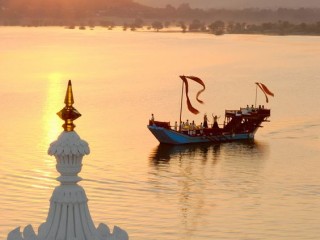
198, 80
265, 90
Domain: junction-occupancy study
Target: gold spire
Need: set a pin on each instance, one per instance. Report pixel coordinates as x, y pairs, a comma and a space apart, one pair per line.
69, 95
69, 113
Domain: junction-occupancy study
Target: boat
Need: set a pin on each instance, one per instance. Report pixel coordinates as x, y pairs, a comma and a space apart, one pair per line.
240, 124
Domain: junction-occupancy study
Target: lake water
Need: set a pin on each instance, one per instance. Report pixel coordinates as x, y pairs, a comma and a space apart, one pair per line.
268, 189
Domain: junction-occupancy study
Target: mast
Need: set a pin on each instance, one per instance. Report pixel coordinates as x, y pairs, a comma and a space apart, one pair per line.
255, 103
181, 105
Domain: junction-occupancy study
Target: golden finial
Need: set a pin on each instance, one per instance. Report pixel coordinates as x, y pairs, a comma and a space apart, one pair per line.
69, 113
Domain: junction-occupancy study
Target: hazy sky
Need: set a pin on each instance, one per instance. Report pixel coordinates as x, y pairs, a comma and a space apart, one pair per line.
235, 3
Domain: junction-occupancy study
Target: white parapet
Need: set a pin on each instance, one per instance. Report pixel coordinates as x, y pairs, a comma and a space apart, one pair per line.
69, 216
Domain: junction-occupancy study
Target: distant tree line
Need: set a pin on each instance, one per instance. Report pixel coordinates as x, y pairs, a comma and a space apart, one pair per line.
131, 15
250, 15
278, 28
220, 27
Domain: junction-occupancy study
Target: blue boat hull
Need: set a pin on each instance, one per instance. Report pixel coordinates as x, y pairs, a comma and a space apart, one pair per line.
169, 136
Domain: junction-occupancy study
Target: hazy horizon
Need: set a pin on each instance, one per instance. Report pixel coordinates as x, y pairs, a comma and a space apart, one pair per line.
235, 4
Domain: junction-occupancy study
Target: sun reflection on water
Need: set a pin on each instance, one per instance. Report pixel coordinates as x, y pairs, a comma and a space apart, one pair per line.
54, 102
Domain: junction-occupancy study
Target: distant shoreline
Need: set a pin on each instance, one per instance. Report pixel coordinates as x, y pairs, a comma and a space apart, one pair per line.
273, 30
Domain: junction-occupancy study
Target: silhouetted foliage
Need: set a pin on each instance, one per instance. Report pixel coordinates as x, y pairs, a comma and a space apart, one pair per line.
157, 25
275, 28
217, 27
183, 26
196, 25
108, 24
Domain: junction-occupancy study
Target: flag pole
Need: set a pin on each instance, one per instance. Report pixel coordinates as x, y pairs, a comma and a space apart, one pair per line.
255, 103
181, 105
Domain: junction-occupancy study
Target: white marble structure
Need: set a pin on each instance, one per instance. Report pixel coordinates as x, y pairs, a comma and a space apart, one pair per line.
69, 217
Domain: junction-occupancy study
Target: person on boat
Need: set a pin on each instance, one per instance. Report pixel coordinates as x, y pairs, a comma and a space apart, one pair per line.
152, 118
187, 125
182, 126
205, 121
175, 126
192, 128
201, 128
215, 122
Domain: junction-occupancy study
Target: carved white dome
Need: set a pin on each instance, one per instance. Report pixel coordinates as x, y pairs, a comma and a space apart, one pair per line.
68, 144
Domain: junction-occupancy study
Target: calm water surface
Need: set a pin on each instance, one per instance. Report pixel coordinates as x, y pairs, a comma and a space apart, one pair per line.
268, 189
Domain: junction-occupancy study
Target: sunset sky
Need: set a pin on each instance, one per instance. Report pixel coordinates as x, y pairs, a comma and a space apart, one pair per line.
235, 3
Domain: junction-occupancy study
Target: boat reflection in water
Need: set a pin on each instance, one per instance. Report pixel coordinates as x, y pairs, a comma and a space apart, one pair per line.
163, 153
207, 186
200, 184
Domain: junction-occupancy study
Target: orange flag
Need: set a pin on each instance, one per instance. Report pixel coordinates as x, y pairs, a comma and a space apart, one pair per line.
198, 80
265, 90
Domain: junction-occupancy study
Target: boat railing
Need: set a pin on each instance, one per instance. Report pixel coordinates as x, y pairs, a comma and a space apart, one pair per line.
248, 111
160, 124
185, 129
